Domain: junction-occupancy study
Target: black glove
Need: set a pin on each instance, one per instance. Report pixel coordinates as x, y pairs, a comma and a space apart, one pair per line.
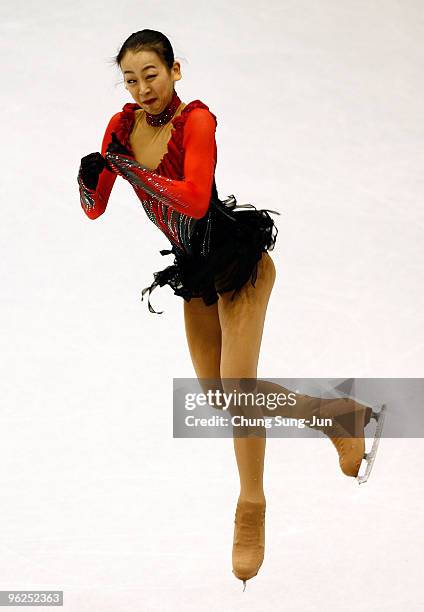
116, 147
90, 169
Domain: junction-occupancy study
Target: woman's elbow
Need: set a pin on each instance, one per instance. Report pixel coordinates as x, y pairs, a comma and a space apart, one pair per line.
202, 209
201, 205
92, 213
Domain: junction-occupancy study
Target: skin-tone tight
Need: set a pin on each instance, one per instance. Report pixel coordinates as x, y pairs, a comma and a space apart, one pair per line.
224, 342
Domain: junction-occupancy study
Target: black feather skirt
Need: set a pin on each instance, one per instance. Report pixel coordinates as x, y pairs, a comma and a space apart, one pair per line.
226, 247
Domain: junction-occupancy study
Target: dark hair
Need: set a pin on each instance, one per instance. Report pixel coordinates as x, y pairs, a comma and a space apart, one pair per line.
149, 40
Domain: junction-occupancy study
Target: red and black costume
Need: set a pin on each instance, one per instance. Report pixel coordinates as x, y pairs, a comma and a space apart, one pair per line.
208, 237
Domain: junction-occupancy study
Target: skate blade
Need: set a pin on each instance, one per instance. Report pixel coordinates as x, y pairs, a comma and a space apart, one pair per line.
370, 457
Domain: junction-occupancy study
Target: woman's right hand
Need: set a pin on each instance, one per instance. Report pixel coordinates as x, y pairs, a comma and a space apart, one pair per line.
90, 169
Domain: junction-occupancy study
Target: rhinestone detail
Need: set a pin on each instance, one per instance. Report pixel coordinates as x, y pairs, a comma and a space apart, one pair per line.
166, 115
86, 195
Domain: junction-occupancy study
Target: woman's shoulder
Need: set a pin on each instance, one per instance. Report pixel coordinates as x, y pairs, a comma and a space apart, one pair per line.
123, 118
122, 122
194, 105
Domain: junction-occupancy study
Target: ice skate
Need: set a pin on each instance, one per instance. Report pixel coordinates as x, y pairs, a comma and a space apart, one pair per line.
249, 539
349, 419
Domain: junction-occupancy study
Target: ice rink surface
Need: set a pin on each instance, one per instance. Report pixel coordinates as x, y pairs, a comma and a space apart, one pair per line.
320, 117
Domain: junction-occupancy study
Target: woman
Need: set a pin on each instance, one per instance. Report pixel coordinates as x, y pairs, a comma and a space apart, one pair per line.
222, 269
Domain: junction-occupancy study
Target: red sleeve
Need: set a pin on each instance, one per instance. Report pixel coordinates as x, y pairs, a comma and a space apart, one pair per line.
94, 201
190, 196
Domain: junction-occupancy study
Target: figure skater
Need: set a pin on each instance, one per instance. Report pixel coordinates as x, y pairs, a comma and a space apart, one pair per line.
222, 269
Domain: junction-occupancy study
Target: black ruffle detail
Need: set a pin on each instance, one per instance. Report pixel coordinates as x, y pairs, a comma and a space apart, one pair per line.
235, 236
169, 276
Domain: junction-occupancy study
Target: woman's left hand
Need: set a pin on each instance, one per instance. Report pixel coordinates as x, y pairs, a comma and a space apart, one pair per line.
116, 147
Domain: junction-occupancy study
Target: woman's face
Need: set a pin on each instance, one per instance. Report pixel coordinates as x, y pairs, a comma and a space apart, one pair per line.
147, 77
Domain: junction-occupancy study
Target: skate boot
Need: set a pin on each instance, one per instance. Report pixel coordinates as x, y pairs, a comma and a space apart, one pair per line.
351, 450
346, 432
249, 539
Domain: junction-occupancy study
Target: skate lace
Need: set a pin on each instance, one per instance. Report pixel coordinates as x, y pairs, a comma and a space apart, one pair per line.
249, 524
344, 436
337, 429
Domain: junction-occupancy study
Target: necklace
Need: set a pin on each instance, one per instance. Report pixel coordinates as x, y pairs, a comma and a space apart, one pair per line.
167, 114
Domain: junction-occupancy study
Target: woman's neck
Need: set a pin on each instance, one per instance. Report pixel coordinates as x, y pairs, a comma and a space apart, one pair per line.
168, 112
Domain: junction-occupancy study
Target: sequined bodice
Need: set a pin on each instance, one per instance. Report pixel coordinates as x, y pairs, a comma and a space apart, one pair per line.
150, 143
171, 167
161, 150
